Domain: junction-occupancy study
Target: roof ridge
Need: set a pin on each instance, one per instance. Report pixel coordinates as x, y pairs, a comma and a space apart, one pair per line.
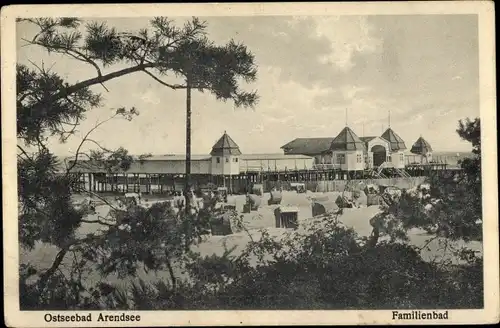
226, 146
396, 142
347, 139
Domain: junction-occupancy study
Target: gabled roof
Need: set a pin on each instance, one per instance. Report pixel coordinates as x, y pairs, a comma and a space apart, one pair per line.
347, 140
394, 140
307, 146
225, 146
421, 147
366, 140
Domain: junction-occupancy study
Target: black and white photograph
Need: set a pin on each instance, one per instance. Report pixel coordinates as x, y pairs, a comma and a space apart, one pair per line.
254, 158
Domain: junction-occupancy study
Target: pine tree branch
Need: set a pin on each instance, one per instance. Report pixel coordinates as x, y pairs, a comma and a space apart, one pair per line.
172, 86
430, 240
101, 199
44, 277
74, 53
98, 80
99, 145
25, 153
85, 138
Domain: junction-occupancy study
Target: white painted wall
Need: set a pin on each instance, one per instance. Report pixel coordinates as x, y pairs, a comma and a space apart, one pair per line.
278, 163
369, 160
352, 162
171, 167
429, 157
227, 165
398, 159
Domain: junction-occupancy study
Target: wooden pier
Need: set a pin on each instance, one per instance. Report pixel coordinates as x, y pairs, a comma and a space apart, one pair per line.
241, 183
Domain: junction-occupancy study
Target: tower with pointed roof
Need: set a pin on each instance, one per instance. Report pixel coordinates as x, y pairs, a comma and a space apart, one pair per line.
398, 147
225, 156
422, 148
348, 151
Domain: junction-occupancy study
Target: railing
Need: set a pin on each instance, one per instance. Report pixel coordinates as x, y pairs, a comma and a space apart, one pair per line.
379, 171
265, 168
436, 159
376, 174
326, 166
402, 173
255, 168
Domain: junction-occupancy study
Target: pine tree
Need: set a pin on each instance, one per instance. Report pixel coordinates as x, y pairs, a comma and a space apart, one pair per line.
48, 105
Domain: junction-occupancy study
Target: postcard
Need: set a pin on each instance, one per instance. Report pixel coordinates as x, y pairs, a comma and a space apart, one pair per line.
249, 164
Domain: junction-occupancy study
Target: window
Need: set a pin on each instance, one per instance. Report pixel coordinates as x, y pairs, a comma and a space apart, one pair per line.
401, 157
359, 158
388, 159
218, 160
235, 160
341, 158
227, 160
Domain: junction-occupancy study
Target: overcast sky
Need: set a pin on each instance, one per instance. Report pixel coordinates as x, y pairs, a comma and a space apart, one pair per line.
424, 69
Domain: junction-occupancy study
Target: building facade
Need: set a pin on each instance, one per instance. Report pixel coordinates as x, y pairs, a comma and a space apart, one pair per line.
346, 156
349, 152
378, 151
225, 157
397, 149
346, 151
224, 166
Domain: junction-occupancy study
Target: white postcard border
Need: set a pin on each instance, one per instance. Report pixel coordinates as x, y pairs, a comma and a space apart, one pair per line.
485, 10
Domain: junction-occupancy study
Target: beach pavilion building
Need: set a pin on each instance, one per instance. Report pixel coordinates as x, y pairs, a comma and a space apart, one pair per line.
397, 149
423, 150
304, 159
346, 151
349, 152
225, 166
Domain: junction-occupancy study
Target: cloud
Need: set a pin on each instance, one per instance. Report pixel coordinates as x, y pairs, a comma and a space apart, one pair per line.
310, 69
148, 97
311, 51
347, 35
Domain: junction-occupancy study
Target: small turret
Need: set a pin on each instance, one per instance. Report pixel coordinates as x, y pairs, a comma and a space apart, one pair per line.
423, 148
225, 156
398, 147
348, 150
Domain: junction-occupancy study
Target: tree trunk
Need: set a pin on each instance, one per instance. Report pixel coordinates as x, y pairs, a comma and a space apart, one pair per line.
188, 136
187, 185
171, 270
372, 241
44, 277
